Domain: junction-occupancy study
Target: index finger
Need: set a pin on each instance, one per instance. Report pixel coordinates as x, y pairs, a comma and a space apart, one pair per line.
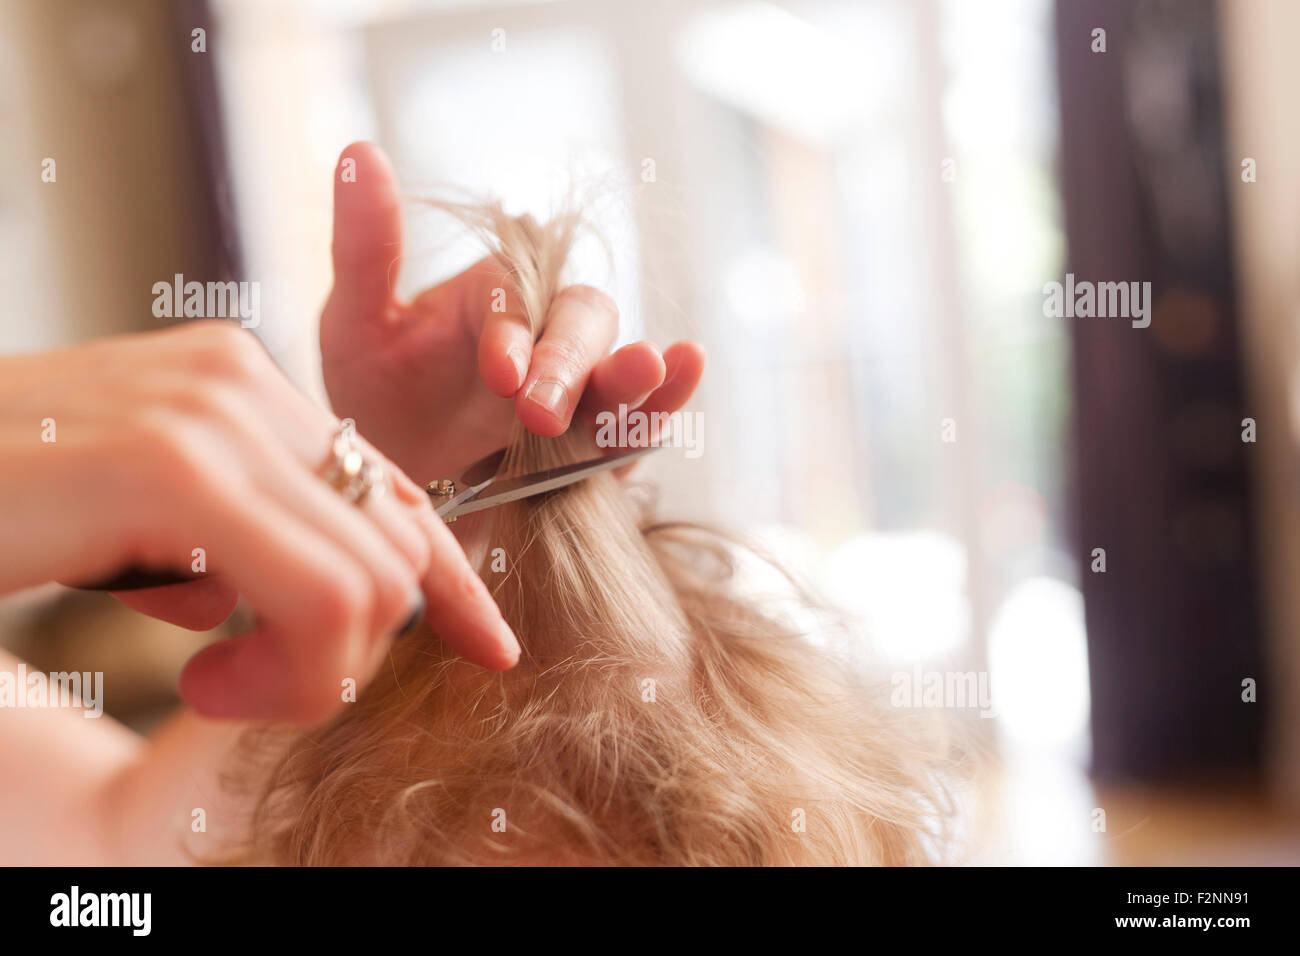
460, 607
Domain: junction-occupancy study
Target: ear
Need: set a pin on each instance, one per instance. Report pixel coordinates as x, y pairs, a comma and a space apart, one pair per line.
367, 233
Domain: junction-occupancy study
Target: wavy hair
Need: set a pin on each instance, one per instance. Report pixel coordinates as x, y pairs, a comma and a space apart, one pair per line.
656, 716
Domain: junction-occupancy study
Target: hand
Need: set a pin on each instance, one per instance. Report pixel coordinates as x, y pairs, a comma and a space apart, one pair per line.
191, 438
436, 383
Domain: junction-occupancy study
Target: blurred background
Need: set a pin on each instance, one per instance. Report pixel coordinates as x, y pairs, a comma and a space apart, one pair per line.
855, 205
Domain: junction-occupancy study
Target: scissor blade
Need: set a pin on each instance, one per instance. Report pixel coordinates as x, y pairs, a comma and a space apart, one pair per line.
454, 506
539, 482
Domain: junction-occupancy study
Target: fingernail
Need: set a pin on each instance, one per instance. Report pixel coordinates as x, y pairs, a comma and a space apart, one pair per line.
549, 395
416, 615
509, 644
520, 361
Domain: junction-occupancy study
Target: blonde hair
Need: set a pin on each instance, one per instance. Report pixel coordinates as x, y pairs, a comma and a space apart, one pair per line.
655, 717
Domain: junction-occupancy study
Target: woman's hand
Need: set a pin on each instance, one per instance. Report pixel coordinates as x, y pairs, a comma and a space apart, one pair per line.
436, 383
140, 449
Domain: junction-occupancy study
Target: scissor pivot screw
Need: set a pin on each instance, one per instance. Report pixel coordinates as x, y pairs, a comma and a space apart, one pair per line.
442, 488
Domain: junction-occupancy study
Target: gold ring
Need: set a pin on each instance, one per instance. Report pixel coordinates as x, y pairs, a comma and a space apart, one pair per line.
347, 471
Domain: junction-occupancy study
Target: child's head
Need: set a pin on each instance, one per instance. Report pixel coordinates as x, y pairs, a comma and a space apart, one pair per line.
655, 717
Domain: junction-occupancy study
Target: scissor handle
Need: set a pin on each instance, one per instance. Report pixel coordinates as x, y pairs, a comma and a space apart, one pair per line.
136, 578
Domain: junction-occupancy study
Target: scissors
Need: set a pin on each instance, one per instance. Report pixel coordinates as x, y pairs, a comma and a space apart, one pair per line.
477, 489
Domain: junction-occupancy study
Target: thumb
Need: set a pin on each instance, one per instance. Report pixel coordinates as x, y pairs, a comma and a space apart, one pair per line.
367, 246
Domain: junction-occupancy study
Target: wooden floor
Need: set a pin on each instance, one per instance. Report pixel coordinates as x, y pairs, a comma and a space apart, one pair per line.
1207, 827
1053, 815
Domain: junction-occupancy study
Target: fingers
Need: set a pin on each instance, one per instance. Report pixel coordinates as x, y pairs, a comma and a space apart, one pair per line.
581, 326
505, 349
298, 445
684, 366
625, 378
280, 463
458, 605
462, 610
684, 362
329, 593
638, 377
367, 247
314, 604
195, 605
505, 344
391, 553
234, 453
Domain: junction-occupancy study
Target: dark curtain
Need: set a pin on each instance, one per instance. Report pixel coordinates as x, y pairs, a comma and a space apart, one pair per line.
1161, 480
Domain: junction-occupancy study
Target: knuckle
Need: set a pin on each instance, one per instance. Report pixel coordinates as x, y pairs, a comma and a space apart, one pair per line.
423, 553
561, 353
173, 437
166, 440
466, 587
592, 298
393, 597
221, 403
418, 549
343, 605
224, 350
207, 400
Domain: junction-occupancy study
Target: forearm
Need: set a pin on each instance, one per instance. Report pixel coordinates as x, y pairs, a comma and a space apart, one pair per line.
53, 762
171, 806
88, 791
